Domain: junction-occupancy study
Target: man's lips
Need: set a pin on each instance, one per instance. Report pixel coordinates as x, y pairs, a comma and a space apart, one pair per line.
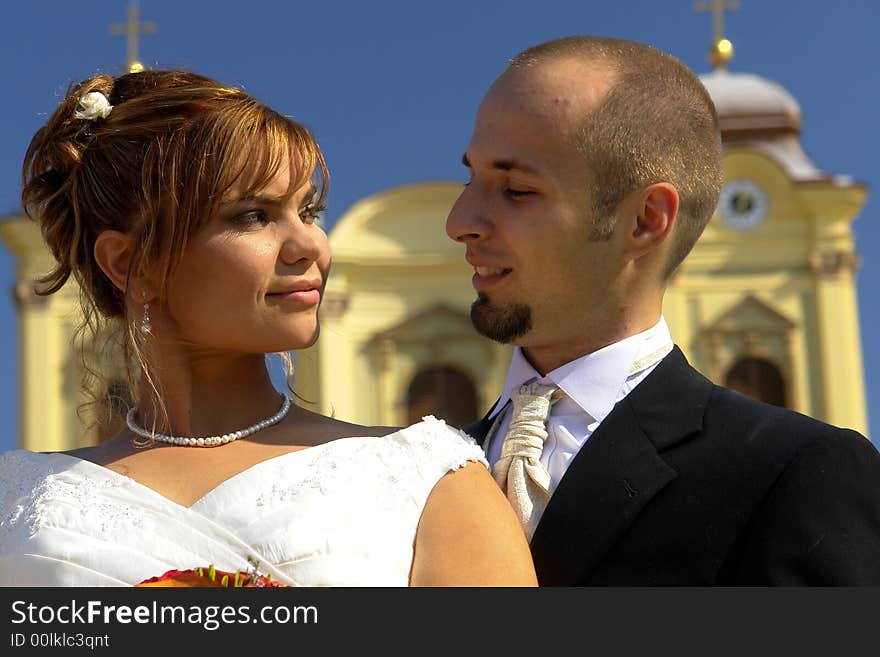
488, 277
490, 271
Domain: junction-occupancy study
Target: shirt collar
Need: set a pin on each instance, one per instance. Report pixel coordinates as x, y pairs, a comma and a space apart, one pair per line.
593, 381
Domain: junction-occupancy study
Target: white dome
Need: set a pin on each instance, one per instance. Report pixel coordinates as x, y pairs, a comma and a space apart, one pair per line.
755, 113
747, 102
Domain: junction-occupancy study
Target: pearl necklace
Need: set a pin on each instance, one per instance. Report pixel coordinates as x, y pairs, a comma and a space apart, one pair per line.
207, 441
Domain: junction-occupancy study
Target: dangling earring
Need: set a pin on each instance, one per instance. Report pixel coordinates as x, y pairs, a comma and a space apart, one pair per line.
146, 324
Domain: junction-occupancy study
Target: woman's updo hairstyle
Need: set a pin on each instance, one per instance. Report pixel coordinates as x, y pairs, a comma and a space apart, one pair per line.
155, 166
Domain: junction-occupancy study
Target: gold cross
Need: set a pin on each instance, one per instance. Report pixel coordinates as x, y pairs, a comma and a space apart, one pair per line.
132, 29
722, 49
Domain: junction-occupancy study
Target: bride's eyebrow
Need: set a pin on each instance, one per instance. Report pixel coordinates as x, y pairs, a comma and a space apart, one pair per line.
253, 198
311, 194
268, 199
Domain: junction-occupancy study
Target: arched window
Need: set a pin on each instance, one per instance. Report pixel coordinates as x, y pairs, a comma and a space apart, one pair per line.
444, 392
759, 379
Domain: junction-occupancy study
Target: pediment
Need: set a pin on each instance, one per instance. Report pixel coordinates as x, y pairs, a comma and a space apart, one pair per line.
751, 314
437, 322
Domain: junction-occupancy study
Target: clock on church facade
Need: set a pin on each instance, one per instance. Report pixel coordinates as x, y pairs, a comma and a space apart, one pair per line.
742, 204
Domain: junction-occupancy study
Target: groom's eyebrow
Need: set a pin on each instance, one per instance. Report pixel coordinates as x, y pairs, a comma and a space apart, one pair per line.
503, 165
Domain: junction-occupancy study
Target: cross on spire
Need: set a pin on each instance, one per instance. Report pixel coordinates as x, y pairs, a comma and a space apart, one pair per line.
722, 49
132, 29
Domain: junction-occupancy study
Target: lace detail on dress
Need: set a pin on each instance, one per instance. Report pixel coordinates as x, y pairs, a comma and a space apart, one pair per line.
18, 472
334, 467
36, 491
444, 446
397, 464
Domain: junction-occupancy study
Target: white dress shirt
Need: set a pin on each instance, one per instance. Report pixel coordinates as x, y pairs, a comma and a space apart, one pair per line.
593, 384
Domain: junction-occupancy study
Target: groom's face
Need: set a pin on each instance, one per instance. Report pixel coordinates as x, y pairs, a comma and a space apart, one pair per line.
525, 214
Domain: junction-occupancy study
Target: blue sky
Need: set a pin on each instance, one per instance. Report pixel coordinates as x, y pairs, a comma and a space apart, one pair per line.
389, 87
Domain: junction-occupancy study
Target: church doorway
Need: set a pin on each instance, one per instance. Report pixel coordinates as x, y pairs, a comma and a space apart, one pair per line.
444, 392
758, 378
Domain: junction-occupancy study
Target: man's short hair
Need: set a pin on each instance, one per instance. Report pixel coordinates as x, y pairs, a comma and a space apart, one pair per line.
657, 123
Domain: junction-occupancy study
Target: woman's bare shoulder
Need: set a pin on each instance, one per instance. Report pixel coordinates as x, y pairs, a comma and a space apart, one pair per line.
325, 428
468, 535
101, 453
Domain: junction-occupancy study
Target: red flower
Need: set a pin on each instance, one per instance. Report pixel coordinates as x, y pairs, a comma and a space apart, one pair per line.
211, 577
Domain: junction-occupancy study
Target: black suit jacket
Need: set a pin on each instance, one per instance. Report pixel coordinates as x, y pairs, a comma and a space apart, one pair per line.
689, 483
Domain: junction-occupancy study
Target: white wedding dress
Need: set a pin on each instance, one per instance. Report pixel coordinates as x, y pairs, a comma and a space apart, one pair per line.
343, 513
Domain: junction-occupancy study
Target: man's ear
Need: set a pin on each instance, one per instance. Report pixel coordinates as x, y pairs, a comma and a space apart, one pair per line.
657, 210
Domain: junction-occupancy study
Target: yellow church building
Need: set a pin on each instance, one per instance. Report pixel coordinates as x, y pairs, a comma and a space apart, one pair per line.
766, 303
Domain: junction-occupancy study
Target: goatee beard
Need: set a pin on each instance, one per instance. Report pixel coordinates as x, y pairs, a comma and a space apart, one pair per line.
500, 323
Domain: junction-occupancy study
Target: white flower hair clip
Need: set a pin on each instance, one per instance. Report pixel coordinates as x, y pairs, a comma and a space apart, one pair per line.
93, 105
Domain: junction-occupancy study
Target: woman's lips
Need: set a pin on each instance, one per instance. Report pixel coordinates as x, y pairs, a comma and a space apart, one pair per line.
308, 297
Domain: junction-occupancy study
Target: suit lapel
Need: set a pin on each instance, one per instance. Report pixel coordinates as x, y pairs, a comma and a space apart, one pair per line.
617, 472
612, 477
480, 429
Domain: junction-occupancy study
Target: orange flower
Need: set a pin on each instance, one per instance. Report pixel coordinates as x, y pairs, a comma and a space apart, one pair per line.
210, 577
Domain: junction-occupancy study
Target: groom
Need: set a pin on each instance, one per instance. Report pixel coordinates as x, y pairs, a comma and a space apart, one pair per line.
594, 165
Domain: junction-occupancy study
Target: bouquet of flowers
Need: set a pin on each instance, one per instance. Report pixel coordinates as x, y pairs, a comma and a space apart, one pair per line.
211, 577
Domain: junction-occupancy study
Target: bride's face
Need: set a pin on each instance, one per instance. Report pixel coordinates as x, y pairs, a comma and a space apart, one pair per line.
251, 280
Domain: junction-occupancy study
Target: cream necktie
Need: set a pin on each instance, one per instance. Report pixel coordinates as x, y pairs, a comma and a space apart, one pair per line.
519, 470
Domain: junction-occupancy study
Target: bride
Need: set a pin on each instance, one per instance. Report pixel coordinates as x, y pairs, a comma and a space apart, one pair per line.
186, 212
